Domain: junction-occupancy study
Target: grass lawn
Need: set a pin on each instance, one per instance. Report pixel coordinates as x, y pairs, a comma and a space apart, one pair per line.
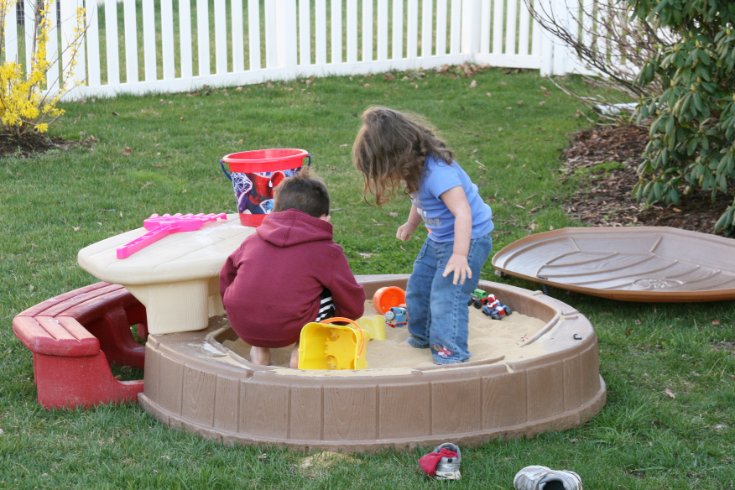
669, 421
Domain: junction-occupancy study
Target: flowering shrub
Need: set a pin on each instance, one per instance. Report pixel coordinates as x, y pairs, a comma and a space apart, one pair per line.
26, 108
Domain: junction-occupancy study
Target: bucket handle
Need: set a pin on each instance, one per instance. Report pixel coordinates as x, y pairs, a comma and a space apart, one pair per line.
224, 170
229, 175
353, 324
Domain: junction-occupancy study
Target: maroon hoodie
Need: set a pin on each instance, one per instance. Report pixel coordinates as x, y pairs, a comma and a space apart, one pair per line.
271, 285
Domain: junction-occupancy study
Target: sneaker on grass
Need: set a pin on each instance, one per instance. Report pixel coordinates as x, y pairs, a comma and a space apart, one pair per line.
443, 462
543, 478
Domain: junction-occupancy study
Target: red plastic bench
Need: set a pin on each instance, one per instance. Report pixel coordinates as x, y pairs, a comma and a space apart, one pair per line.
75, 336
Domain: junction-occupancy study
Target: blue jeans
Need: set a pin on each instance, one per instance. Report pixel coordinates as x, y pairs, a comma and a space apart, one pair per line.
438, 315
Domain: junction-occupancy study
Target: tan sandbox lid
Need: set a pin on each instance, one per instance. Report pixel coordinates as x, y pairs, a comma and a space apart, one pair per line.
645, 264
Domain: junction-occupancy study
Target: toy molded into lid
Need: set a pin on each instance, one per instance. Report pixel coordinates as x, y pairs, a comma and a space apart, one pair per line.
387, 297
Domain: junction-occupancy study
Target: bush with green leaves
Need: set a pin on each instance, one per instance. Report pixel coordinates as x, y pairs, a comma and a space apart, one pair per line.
692, 121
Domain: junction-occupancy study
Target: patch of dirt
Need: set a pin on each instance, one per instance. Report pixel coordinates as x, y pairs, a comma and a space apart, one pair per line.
31, 145
608, 157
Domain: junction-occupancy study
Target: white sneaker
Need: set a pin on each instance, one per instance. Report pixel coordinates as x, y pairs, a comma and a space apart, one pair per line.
448, 468
543, 478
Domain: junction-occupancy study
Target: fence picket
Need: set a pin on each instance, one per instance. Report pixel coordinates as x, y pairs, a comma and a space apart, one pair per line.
149, 42
237, 36
52, 49
510, 27
29, 28
131, 40
412, 29
112, 48
93, 45
397, 29
335, 19
441, 27
304, 32
221, 50
203, 37
382, 30
367, 30
427, 19
185, 40
455, 38
11, 35
167, 40
498, 15
524, 26
485, 18
254, 34
351, 31
320, 28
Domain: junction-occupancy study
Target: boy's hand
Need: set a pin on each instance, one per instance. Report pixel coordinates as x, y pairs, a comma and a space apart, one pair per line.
458, 266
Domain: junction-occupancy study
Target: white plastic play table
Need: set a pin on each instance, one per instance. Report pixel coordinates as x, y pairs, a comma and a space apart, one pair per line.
176, 278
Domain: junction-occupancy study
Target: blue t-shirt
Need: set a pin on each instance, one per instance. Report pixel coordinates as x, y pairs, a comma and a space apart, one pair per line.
438, 177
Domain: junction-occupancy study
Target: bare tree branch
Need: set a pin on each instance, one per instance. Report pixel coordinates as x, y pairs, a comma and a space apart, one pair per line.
607, 40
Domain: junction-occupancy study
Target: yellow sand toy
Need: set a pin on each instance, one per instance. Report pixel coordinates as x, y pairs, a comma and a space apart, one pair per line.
373, 326
328, 345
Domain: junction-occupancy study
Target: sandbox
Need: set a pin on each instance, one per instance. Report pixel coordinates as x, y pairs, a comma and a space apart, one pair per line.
525, 377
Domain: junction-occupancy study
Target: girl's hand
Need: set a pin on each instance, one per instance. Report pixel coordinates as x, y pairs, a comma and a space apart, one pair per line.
405, 231
458, 266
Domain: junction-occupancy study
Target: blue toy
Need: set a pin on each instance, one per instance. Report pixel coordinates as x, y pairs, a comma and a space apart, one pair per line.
397, 316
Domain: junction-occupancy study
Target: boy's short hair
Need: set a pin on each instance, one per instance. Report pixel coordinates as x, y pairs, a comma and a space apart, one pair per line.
303, 191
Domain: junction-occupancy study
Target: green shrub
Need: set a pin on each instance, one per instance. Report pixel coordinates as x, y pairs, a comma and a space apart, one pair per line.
693, 120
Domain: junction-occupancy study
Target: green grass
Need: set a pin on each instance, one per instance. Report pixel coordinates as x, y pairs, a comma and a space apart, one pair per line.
669, 421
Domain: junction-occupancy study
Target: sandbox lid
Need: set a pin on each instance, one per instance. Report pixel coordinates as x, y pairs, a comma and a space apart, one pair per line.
644, 264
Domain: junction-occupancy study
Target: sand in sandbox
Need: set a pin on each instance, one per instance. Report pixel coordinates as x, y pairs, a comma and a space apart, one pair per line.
499, 340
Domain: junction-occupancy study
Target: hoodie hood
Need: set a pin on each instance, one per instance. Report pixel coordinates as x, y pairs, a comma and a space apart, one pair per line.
292, 227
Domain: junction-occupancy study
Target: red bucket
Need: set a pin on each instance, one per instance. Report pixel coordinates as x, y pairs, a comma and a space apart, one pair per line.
254, 174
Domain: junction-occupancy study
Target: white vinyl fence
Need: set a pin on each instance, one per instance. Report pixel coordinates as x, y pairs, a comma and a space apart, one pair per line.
142, 46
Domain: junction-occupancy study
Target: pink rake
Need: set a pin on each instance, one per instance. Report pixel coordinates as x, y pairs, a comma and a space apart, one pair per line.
161, 226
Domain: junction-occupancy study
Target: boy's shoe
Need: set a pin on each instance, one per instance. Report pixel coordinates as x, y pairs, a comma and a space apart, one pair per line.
448, 467
443, 462
543, 478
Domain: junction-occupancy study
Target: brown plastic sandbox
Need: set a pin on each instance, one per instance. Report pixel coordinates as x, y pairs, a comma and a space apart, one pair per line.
194, 382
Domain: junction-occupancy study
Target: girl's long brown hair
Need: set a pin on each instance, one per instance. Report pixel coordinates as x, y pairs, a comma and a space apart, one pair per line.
391, 147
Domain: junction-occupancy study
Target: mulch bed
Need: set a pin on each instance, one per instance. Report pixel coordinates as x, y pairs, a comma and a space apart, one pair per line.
605, 198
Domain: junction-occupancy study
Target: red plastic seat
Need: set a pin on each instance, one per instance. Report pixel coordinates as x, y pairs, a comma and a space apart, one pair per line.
75, 336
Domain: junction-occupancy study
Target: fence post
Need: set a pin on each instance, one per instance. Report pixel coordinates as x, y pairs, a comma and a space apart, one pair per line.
471, 15
286, 45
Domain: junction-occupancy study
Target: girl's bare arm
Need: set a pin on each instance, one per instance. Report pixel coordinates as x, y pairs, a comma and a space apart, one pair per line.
456, 200
405, 231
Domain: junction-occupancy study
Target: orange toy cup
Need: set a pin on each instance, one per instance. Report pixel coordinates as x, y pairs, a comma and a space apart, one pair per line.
387, 297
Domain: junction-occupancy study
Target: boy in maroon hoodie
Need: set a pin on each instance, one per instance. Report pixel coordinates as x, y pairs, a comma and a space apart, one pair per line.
289, 272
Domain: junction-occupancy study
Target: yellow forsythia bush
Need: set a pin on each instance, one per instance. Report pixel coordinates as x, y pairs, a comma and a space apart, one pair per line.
25, 106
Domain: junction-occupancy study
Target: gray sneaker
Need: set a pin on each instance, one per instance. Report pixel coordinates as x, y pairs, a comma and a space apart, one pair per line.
448, 467
543, 478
